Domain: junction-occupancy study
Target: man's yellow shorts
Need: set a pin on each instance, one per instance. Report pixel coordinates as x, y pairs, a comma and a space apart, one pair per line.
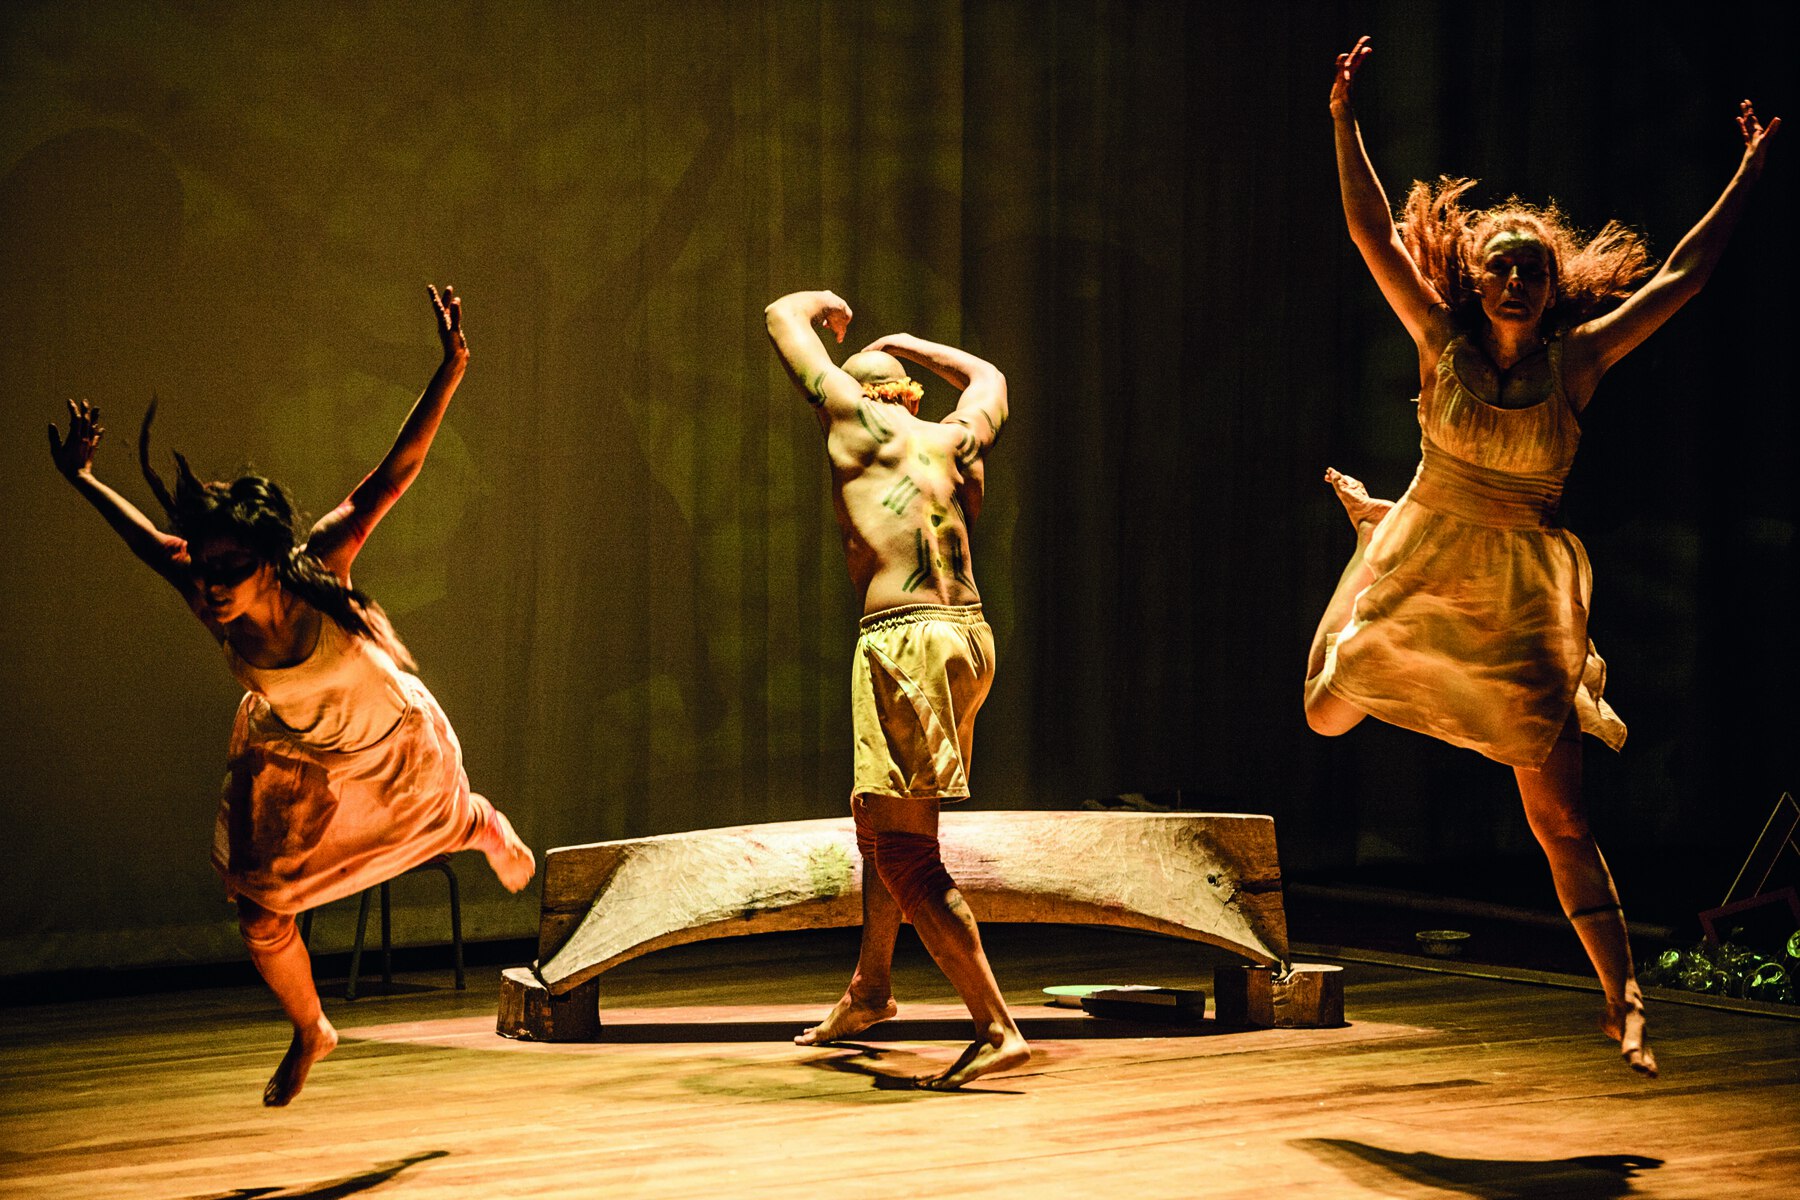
921, 673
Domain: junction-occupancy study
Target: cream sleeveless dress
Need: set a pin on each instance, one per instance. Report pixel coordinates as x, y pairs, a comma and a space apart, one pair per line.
1475, 628
343, 772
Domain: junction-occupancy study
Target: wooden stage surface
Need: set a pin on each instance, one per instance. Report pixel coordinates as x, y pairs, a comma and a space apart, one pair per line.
1439, 1086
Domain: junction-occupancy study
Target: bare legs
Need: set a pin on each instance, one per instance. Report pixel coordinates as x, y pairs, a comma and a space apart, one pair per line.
281, 958
1326, 713
1552, 796
870, 997
950, 933
948, 929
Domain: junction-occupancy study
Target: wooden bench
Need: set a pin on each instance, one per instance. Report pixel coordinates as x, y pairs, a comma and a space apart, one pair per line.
1206, 877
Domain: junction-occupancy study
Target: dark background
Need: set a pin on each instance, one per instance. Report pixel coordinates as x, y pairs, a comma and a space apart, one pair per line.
619, 570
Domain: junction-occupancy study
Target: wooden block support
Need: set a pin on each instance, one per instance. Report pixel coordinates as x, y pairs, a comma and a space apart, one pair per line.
1310, 996
530, 1012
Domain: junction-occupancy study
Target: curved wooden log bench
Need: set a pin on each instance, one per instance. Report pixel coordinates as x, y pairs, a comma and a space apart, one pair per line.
1206, 877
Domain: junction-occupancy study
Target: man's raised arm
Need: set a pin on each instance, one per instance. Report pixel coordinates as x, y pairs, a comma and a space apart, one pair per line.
791, 323
982, 410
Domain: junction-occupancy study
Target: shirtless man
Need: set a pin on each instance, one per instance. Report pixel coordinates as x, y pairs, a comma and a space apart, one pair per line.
905, 491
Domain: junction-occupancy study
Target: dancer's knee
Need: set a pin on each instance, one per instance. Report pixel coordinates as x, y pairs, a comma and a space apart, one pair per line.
1321, 723
912, 869
1558, 827
1556, 815
1326, 714
266, 932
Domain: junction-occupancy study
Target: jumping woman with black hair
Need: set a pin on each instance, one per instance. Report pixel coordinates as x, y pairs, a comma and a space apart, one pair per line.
343, 769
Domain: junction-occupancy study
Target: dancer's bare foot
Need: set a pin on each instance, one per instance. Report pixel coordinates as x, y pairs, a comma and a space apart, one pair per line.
1624, 1022
308, 1047
848, 1017
510, 858
1365, 511
1002, 1051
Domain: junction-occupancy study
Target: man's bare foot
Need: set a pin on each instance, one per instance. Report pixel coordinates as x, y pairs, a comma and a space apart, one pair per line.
1365, 511
510, 858
308, 1047
850, 1016
983, 1057
1624, 1022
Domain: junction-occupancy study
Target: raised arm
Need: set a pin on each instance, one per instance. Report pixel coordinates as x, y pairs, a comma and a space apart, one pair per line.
1371, 221
1593, 347
339, 535
982, 410
791, 323
74, 458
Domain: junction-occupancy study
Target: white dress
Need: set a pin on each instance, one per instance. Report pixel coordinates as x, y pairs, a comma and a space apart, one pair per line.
1475, 628
343, 772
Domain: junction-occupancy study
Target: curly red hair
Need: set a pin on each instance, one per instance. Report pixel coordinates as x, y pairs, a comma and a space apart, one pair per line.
1589, 275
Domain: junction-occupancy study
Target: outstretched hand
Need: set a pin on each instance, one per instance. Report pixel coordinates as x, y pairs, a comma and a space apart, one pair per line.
1347, 67
1756, 135
75, 453
834, 314
449, 321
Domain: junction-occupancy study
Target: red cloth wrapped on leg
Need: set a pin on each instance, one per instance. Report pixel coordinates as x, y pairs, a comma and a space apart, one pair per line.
910, 866
865, 833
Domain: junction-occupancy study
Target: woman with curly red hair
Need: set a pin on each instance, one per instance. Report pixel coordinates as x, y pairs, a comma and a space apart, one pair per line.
1463, 612
343, 770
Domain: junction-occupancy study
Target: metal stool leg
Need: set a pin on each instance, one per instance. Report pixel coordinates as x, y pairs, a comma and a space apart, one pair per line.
362, 925
387, 939
387, 930
456, 951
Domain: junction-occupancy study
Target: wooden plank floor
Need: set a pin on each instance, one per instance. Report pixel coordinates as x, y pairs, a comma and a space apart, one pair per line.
1439, 1086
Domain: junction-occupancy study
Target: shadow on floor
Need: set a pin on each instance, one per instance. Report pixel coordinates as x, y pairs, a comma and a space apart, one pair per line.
1081, 1028
330, 1189
1588, 1177
866, 1061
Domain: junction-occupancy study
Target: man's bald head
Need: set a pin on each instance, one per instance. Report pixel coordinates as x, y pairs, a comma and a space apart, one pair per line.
874, 366
884, 379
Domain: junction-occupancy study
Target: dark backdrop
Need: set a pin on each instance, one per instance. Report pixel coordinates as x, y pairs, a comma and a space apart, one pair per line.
620, 572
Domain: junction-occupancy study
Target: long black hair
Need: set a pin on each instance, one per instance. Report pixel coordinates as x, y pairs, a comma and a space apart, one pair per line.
257, 512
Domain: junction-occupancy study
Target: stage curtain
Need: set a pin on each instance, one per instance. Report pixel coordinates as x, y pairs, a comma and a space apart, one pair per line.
620, 570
